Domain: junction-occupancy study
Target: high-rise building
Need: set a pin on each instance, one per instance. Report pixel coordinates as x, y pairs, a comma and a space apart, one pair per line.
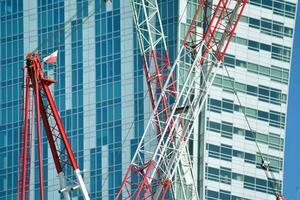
258, 61
101, 94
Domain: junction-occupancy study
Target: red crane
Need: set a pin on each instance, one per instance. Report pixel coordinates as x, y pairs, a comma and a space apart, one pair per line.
159, 157
37, 92
163, 146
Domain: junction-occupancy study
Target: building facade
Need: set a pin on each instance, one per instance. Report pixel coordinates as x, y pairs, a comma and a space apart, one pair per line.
101, 94
258, 62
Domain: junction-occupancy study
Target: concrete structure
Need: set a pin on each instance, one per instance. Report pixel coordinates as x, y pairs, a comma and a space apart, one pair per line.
101, 93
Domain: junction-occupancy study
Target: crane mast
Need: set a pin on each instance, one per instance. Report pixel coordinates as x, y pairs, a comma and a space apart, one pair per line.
60, 147
156, 65
163, 144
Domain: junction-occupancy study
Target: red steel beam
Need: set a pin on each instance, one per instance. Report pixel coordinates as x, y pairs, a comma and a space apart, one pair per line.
217, 20
40, 85
25, 138
39, 134
50, 138
60, 125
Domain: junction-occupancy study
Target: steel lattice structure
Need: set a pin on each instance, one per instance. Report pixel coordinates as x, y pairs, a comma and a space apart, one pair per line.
156, 65
60, 147
163, 144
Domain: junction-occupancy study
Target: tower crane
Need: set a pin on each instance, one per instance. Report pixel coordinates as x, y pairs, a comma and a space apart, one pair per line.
162, 157
164, 141
37, 90
156, 65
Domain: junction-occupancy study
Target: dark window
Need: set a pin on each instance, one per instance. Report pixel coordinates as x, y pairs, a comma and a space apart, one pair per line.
251, 90
250, 135
213, 194
267, 3
226, 149
263, 115
254, 22
214, 126
225, 196
265, 47
250, 158
227, 128
227, 105
253, 45
263, 91
229, 60
214, 148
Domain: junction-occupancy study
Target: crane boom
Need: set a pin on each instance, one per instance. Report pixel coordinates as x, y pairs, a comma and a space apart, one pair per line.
58, 141
157, 157
156, 63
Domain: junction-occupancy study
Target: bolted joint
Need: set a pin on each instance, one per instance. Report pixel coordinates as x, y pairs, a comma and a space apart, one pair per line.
75, 187
68, 188
28, 62
167, 182
32, 59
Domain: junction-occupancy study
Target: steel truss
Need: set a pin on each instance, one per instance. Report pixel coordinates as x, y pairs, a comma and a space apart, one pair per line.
60, 147
163, 145
156, 65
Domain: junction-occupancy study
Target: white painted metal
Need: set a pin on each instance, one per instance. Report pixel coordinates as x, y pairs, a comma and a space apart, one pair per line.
82, 186
169, 148
150, 35
62, 185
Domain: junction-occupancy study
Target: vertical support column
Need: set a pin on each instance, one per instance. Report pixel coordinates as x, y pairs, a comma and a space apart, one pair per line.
39, 135
25, 138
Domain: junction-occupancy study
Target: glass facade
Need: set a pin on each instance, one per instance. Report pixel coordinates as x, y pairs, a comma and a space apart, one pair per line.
11, 51
102, 96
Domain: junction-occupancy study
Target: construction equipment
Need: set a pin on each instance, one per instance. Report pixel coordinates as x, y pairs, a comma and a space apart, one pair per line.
37, 88
162, 158
156, 65
163, 144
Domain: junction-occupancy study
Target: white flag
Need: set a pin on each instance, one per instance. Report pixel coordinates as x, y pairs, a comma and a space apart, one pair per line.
51, 58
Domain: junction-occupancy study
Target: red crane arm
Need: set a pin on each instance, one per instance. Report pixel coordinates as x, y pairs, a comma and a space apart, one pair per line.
58, 140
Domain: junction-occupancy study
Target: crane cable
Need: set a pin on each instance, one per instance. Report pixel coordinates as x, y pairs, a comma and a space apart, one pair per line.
265, 162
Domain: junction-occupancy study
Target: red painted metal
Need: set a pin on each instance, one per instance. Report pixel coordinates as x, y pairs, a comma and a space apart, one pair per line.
39, 134
154, 80
45, 108
143, 183
222, 52
137, 178
60, 126
23, 160
124, 182
50, 138
156, 65
220, 12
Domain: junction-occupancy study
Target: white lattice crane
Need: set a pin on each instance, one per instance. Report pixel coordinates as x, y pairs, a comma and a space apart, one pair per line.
162, 149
